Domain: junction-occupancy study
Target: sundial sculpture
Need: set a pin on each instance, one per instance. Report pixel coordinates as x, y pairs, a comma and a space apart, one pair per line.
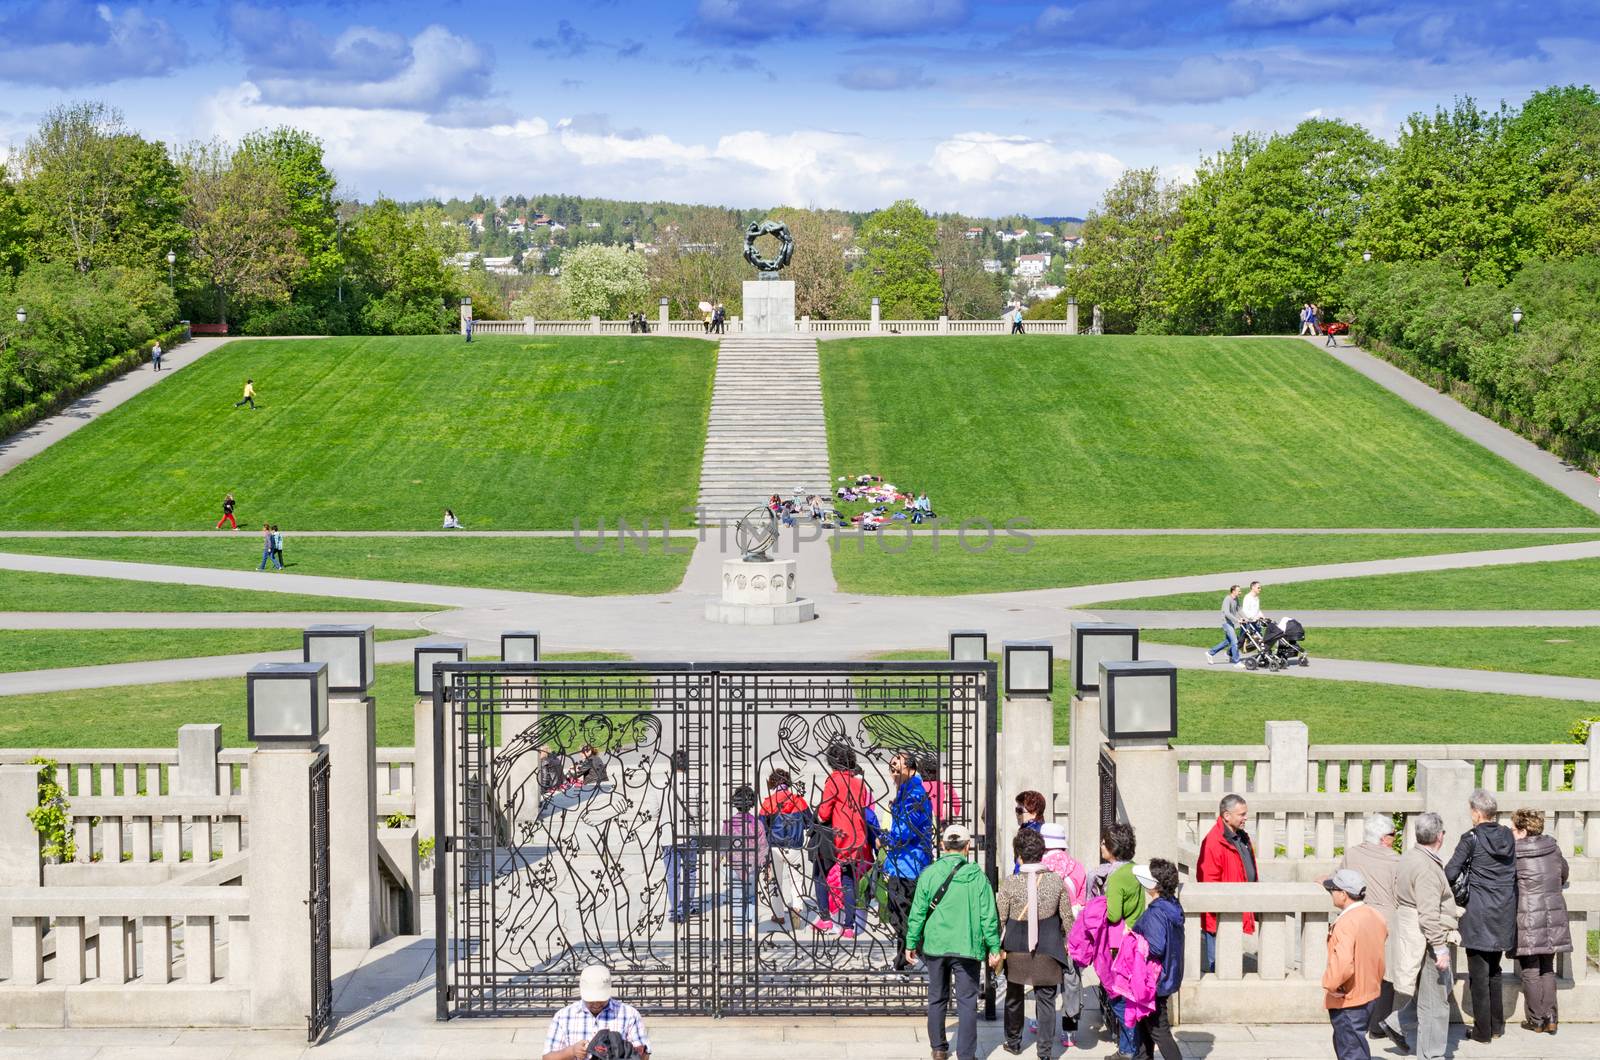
756, 533
768, 301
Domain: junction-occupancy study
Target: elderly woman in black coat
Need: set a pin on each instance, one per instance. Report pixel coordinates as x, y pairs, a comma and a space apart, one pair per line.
1484, 875
1542, 929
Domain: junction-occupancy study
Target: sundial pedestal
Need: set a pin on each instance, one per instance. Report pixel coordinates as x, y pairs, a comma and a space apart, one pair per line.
757, 593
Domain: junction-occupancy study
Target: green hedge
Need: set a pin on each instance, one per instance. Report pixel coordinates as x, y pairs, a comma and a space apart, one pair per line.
81, 383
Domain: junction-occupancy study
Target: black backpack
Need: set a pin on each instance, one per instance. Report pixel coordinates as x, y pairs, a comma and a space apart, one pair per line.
608, 1045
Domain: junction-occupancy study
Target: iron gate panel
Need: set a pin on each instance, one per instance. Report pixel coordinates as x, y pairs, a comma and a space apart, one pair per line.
319, 909
1108, 790
658, 870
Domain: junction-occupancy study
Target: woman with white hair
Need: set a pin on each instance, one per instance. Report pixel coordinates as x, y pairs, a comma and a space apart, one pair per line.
1483, 873
1376, 860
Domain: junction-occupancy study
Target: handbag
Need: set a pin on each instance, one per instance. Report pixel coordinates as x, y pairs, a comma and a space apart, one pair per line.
1458, 886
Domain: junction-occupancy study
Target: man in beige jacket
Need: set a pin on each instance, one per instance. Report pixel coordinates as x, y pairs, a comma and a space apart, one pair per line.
1425, 926
1354, 971
1377, 862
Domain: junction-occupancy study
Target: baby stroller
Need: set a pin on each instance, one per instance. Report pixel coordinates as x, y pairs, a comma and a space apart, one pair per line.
1273, 646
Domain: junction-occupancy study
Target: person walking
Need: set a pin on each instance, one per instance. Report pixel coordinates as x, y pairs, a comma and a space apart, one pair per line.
954, 924
1059, 860
266, 546
1250, 606
909, 849
1034, 907
1030, 815
1484, 870
277, 546
1230, 629
1354, 971
1227, 855
784, 814
468, 329
1425, 926
1542, 926
155, 357
1379, 865
1305, 318
1016, 320
842, 811
249, 397
1162, 929
227, 514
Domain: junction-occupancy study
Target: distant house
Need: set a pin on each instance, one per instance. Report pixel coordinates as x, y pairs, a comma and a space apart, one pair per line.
463, 260
974, 233
501, 266
1012, 237
476, 222
591, 224
557, 226
1045, 292
541, 220
1071, 242
993, 265
1045, 237
518, 226
1032, 265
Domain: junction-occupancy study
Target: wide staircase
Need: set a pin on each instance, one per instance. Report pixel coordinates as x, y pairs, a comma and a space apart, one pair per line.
766, 433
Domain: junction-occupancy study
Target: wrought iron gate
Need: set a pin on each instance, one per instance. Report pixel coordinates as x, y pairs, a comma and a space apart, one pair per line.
647, 854
319, 909
1108, 790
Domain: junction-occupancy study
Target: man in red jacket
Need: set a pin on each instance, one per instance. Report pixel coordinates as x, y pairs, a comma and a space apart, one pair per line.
842, 812
1226, 856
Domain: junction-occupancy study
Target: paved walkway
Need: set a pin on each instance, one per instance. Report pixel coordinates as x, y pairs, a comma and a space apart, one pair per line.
1548, 468
208, 619
1314, 620
47, 432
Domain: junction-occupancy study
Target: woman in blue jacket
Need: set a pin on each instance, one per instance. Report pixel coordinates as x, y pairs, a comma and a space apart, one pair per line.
1162, 927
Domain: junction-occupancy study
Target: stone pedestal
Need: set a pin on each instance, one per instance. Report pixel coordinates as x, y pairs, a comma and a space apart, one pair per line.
1027, 750
1083, 785
1147, 797
769, 307
760, 594
279, 877
354, 917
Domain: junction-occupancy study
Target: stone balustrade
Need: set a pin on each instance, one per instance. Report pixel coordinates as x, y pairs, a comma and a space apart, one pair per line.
803, 326
1278, 970
167, 955
141, 829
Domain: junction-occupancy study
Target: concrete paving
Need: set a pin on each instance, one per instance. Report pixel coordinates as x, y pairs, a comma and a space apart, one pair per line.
47, 432
1574, 482
205, 619
1313, 620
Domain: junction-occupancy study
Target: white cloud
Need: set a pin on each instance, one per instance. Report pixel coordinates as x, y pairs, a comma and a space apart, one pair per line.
62, 43
404, 153
1200, 79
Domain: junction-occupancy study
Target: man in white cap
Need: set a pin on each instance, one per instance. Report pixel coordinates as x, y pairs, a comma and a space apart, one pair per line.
1354, 972
574, 1027
955, 926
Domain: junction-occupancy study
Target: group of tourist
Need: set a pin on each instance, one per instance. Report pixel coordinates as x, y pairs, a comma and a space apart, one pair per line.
715, 317
271, 546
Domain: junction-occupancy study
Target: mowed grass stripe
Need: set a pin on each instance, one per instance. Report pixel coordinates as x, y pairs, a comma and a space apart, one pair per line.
383, 433
49, 649
23, 590
1567, 585
1134, 431
887, 564
545, 565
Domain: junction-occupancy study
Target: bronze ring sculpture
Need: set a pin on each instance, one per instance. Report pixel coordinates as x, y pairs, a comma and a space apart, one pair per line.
785, 245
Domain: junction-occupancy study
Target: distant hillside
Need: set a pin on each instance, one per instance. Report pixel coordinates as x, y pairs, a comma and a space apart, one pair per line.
1059, 220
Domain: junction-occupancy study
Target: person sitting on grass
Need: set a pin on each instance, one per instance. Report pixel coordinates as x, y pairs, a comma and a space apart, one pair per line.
450, 520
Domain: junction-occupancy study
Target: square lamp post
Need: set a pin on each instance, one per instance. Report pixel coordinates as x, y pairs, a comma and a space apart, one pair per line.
519, 646
350, 653
969, 645
1138, 702
287, 703
428, 655
1095, 642
1029, 666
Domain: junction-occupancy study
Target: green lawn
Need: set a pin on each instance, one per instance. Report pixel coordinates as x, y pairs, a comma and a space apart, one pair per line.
1135, 431
1232, 706
1562, 650
534, 564
384, 433
888, 564
46, 649
1568, 585
99, 717
37, 591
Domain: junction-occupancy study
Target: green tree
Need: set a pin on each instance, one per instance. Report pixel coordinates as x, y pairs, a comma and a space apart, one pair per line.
966, 292
95, 193
1556, 134
13, 228
294, 158
401, 283
817, 269
542, 299
1450, 192
898, 265
604, 281
242, 242
1267, 226
1117, 266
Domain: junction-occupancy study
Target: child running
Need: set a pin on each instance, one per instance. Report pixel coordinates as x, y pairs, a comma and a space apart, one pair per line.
249, 395
227, 514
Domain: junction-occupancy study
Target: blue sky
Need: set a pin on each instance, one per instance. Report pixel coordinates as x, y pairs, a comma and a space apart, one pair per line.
1009, 105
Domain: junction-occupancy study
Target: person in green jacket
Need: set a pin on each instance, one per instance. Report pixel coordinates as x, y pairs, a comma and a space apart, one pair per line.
1125, 902
954, 934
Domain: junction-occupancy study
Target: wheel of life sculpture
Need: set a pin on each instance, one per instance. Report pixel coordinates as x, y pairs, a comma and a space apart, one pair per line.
785, 245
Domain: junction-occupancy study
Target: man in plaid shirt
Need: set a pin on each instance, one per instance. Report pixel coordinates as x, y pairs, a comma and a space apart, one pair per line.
573, 1027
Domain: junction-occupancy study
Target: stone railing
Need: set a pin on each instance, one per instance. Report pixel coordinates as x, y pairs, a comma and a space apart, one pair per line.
164, 956
1278, 970
803, 326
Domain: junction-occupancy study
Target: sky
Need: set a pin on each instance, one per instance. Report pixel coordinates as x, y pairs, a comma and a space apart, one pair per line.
1009, 106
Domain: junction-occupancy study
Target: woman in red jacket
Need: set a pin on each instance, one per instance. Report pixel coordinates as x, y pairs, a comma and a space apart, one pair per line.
1226, 856
842, 813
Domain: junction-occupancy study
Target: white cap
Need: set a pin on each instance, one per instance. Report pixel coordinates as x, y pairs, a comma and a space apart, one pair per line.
1141, 872
1055, 836
957, 834
595, 983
